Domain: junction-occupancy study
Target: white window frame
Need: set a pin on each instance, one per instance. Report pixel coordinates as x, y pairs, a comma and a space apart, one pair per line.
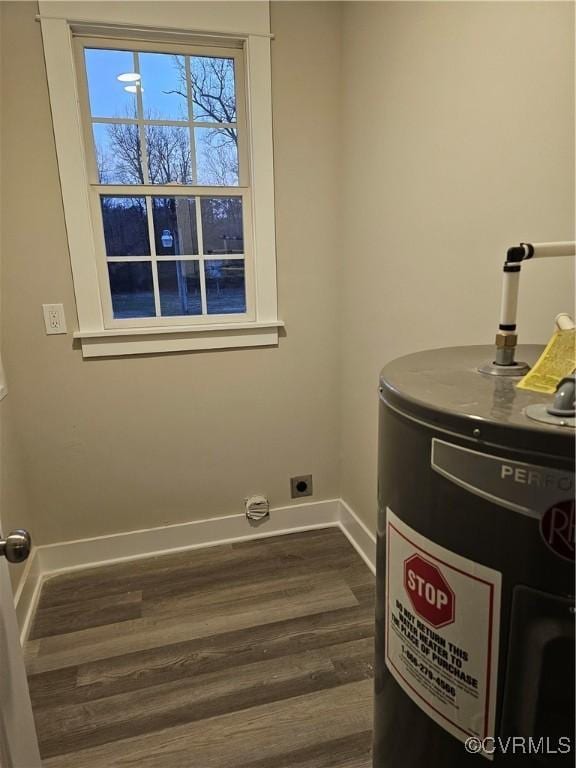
242, 190
98, 336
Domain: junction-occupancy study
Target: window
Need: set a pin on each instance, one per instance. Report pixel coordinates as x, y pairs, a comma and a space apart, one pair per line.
165, 132
175, 189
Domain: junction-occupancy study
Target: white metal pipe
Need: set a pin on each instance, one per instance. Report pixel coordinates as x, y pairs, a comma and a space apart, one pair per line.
506, 338
544, 250
509, 303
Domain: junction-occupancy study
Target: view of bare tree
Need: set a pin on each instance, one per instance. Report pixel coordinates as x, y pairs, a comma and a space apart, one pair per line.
120, 157
157, 153
168, 151
212, 89
214, 100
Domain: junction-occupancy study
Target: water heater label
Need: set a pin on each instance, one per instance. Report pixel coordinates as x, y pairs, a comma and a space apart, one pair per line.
526, 488
442, 630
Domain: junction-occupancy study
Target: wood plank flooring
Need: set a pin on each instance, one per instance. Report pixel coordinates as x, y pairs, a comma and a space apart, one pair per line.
250, 655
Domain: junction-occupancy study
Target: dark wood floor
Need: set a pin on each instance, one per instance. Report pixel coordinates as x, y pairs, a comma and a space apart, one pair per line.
249, 655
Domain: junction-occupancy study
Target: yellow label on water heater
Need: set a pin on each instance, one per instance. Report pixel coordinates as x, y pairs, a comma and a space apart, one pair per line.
557, 361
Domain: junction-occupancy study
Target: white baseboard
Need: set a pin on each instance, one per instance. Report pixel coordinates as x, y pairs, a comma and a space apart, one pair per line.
358, 534
49, 559
27, 594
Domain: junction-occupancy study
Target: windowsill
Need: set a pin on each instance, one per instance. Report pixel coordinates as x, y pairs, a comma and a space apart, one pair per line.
145, 341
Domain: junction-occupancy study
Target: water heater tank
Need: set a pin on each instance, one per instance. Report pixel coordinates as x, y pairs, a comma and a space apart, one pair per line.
475, 570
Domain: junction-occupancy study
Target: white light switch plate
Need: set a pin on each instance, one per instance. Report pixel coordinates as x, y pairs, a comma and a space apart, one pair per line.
54, 318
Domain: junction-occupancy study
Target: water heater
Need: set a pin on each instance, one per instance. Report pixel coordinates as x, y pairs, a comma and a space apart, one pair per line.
475, 568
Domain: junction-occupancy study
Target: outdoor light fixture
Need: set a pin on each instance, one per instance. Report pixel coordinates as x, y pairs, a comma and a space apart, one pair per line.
134, 88
167, 238
129, 77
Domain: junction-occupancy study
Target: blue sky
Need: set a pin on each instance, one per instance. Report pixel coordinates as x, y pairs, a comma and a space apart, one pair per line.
159, 73
162, 81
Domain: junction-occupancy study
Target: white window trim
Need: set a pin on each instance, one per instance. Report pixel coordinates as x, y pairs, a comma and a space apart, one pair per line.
241, 191
95, 339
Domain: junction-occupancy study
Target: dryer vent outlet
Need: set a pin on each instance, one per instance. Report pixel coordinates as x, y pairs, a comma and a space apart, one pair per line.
257, 508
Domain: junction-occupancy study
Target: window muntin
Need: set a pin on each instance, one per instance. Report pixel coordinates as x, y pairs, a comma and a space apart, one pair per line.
160, 118
168, 172
187, 252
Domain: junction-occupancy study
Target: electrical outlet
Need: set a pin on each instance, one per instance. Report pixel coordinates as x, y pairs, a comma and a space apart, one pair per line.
54, 318
301, 486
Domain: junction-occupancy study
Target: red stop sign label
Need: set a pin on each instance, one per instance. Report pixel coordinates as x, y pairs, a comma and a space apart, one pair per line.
429, 592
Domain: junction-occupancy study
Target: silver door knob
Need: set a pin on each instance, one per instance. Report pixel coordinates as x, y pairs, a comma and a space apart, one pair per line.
16, 546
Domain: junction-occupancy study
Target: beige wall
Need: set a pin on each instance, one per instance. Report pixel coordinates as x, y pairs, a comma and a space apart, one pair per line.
414, 142
119, 444
458, 141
